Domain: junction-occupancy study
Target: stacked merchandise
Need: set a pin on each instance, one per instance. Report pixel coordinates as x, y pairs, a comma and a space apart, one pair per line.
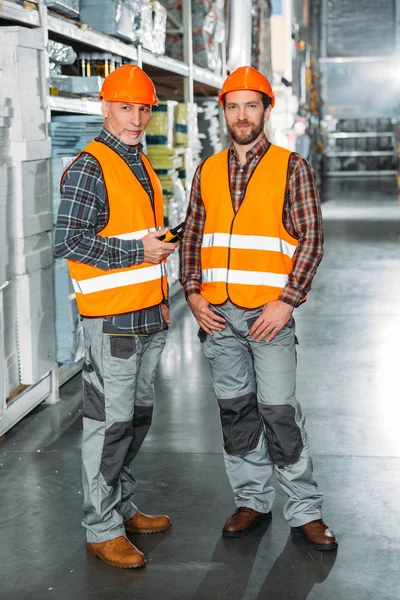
166, 161
69, 8
29, 297
209, 127
70, 134
121, 18
208, 32
61, 56
154, 26
186, 136
138, 21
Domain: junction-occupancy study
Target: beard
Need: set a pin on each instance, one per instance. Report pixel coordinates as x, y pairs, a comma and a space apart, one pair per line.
244, 139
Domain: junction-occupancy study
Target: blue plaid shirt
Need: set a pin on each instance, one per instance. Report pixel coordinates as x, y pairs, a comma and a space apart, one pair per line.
83, 212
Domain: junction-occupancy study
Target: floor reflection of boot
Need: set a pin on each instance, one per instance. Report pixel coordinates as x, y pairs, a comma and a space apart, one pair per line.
230, 566
296, 571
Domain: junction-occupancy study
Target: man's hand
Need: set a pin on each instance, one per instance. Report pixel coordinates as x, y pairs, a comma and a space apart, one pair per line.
273, 318
203, 314
154, 250
165, 313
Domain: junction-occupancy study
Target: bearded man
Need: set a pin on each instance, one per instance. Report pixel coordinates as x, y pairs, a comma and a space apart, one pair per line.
251, 246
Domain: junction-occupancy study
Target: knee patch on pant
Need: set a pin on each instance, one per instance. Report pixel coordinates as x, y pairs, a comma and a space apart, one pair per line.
241, 425
141, 424
283, 434
117, 440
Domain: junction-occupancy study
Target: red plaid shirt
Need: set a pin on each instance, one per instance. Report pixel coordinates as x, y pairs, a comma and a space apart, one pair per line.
301, 218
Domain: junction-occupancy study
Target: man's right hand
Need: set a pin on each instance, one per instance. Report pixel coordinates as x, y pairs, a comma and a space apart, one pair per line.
203, 314
154, 250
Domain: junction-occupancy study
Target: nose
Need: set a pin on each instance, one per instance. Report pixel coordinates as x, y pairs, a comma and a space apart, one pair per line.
136, 116
242, 116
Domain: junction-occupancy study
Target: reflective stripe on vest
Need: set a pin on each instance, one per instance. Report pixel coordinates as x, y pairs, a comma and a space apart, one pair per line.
248, 242
244, 277
246, 256
121, 279
131, 216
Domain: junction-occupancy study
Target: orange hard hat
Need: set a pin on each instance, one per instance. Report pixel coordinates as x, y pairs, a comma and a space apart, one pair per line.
129, 83
247, 78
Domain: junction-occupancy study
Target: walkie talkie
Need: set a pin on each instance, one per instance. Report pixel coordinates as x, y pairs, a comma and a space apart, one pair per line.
174, 234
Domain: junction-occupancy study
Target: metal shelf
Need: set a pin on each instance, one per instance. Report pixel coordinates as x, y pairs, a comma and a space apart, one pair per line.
79, 32
28, 14
74, 105
387, 173
361, 134
207, 77
360, 153
165, 62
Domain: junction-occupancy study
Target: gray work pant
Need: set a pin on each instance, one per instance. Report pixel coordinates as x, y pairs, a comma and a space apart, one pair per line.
263, 425
118, 393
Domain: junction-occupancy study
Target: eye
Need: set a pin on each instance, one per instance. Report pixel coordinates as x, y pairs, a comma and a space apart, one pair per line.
252, 105
145, 109
126, 107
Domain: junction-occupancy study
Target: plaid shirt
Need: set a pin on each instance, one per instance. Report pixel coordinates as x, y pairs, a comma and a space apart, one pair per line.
301, 218
84, 212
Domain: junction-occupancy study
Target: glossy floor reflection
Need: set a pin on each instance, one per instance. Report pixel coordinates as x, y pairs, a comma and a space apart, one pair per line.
348, 383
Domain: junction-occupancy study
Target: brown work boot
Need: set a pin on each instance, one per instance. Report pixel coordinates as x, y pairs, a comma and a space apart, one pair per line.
318, 535
141, 523
243, 521
118, 552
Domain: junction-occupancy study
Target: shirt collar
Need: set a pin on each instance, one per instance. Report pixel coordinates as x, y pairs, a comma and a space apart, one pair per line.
256, 151
116, 144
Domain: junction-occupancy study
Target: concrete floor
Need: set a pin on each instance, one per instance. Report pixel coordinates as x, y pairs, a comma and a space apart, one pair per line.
348, 382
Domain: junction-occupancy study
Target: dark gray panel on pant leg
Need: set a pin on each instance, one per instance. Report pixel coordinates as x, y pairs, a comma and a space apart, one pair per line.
93, 390
117, 440
93, 402
241, 424
283, 434
141, 424
95, 367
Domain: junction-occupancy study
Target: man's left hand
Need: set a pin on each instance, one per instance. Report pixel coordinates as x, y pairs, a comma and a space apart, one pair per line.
273, 318
165, 313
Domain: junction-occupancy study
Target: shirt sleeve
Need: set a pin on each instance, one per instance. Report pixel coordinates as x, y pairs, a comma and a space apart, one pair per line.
81, 216
190, 249
302, 217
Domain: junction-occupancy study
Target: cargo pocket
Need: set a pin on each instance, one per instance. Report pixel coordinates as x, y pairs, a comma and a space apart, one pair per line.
208, 344
123, 359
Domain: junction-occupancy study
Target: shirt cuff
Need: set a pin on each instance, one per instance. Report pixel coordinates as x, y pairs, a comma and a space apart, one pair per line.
292, 296
191, 287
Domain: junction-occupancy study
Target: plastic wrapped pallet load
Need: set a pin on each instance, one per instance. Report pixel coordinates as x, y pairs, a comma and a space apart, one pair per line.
20, 68
69, 8
121, 18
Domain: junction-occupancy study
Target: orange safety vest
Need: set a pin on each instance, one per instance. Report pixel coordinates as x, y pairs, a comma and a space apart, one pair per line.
131, 216
246, 256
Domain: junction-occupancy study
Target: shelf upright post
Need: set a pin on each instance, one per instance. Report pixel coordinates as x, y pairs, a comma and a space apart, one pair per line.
3, 369
140, 56
54, 397
188, 49
45, 62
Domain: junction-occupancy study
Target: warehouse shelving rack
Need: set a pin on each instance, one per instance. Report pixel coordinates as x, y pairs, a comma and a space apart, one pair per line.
196, 81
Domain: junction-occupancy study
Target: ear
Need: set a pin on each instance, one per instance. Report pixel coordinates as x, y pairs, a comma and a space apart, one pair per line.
104, 108
267, 113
